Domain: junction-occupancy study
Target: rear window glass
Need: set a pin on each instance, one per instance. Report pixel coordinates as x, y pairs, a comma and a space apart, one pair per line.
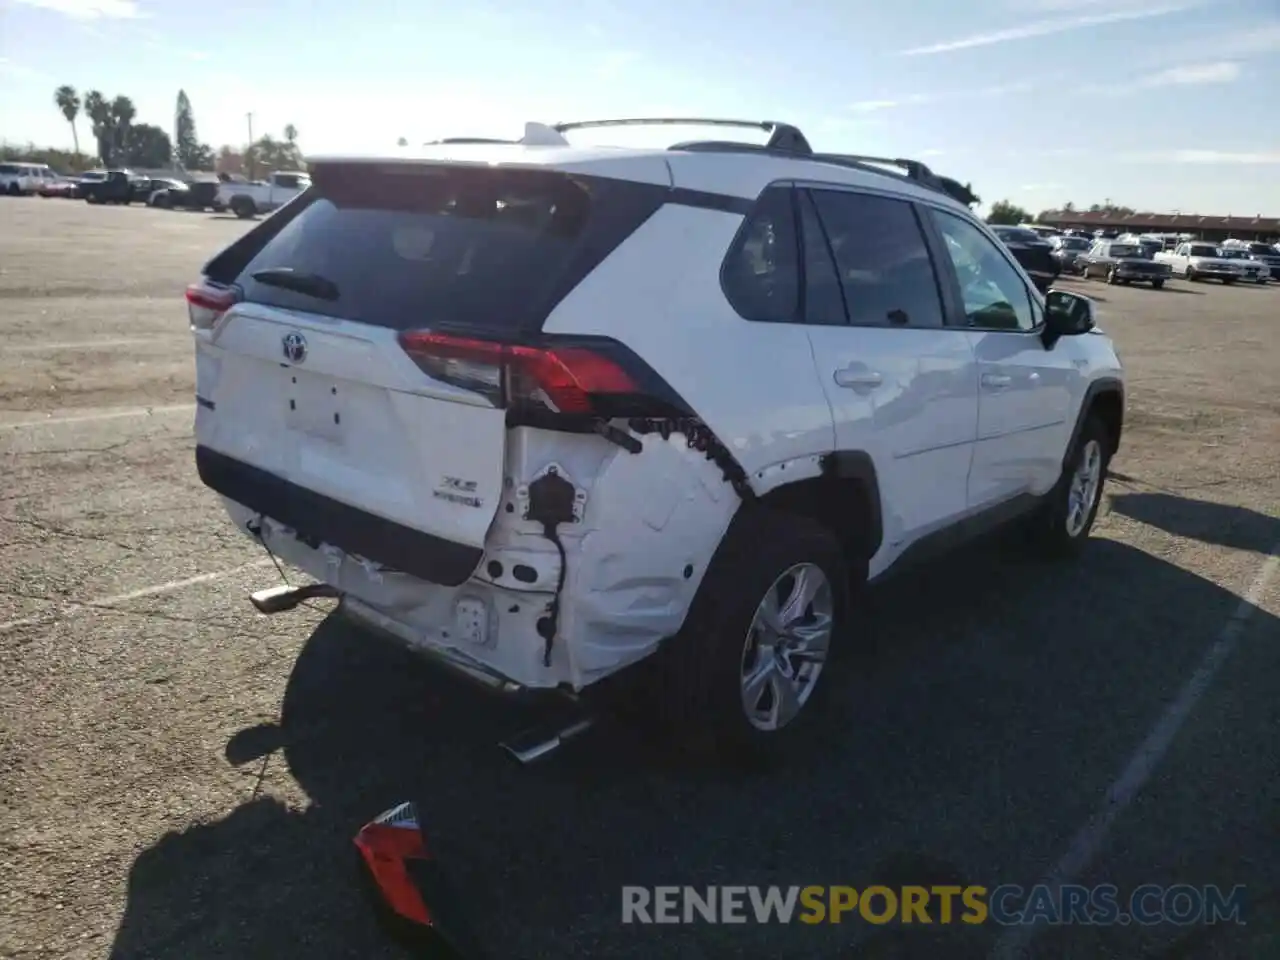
425, 246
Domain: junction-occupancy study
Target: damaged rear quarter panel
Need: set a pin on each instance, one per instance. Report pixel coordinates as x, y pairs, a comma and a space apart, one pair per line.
650, 523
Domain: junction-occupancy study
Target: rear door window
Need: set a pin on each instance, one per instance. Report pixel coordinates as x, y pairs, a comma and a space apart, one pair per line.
882, 259
422, 246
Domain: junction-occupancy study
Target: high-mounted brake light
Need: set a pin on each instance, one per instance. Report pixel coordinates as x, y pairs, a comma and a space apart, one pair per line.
570, 379
207, 303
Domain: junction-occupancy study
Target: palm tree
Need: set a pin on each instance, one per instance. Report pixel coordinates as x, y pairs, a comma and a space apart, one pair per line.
290, 133
98, 110
68, 102
122, 113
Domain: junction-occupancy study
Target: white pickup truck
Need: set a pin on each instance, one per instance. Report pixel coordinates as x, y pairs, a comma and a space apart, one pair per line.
1200, 261
247, 200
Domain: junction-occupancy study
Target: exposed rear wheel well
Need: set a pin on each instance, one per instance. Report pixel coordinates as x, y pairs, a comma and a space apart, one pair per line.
1108, 407
843, 506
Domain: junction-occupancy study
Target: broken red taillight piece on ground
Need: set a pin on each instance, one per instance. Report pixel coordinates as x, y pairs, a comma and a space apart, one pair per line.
408, 885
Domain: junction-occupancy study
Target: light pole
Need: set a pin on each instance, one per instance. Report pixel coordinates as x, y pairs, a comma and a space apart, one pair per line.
249, 152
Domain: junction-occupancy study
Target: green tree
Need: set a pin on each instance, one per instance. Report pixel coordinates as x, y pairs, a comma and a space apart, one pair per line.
68, 102
268, 155
98, 110
402, 142
122, 115
1005, 212
188, 150
147, 146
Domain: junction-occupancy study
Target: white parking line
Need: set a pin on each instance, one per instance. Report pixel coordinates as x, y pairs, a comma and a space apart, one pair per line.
94, 344
101, 415
66, 608
1088, 842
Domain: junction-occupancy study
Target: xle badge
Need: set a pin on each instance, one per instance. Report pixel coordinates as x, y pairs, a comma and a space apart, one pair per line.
457, 490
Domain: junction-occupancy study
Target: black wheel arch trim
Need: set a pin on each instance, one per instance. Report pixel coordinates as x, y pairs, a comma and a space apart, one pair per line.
1099, 387
858, 465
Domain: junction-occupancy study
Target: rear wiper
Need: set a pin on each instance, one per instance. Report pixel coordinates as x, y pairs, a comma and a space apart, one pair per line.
311, 284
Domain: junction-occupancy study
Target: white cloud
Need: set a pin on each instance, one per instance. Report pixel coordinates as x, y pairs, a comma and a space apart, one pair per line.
1223, 71
1206, 157
90, 9
920, 99
1043, 28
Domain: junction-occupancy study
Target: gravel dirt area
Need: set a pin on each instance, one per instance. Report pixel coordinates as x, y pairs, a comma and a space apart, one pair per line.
181, 777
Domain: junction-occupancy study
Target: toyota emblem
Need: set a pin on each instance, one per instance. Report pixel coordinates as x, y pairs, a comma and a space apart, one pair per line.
295, 347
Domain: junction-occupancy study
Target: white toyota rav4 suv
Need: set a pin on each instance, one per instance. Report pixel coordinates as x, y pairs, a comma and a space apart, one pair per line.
545, 411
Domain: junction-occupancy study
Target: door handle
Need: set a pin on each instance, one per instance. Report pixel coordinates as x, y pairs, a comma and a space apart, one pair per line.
996, 381
856, 379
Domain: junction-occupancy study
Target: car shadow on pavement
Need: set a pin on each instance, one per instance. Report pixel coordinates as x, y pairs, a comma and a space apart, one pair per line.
1223, 524
1003, 697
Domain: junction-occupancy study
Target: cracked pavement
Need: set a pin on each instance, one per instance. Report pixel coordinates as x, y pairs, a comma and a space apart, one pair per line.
182, 777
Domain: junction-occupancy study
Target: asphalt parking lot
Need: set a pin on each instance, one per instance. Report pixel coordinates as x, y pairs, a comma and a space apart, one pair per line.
181, 777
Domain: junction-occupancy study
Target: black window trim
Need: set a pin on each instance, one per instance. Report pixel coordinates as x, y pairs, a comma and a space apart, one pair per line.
1034, 299
947, 286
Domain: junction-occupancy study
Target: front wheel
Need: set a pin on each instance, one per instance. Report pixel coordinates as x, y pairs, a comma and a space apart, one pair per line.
1191, 275
1157, 284
243, 207
1112, 276
1062, 524
744, 673
1228, 281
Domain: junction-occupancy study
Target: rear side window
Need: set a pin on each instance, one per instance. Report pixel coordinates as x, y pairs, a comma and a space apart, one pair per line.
883, 260
423, 246
761, 273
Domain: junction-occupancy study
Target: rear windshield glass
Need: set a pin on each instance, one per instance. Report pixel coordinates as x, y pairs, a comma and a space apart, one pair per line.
424, 246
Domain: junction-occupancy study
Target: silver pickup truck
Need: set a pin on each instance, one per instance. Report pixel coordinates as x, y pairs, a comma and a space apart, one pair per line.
248, 199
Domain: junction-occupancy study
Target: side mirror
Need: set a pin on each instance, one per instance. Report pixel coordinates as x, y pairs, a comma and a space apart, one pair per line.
1066, 315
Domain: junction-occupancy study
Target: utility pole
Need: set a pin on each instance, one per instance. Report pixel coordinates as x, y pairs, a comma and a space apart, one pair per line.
249, 152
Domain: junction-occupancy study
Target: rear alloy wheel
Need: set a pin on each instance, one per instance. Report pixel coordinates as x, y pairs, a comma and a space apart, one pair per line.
745, 673
1062, 525
786, 646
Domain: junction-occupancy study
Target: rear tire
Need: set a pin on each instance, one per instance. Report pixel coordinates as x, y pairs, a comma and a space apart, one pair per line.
1112, 277
1191, 275
1157, 284
243, 207
1062, 525
730, 682
1228, 281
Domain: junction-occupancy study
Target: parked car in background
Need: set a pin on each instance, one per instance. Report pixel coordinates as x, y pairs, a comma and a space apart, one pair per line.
1200, 261
58, 186
1252, 271
21, 179
86, 180
118, 186
1122, 263
164, 191
1041, 230
249, 199
1068, 249
1023, 235
1262, 252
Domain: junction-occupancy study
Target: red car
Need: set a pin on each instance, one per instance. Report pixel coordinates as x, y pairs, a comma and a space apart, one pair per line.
60, 187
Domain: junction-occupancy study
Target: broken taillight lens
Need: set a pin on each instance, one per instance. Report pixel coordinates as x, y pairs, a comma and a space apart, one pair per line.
207, 302
566, 378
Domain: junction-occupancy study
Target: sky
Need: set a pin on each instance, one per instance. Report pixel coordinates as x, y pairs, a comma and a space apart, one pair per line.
1154, 104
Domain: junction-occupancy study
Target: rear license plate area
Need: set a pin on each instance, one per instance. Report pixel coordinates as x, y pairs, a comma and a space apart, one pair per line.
314, 405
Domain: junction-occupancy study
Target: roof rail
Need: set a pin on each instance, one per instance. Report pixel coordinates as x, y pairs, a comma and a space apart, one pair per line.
782, 136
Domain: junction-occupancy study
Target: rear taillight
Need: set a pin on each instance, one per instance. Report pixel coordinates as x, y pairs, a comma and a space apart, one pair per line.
206, 303
599, 378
